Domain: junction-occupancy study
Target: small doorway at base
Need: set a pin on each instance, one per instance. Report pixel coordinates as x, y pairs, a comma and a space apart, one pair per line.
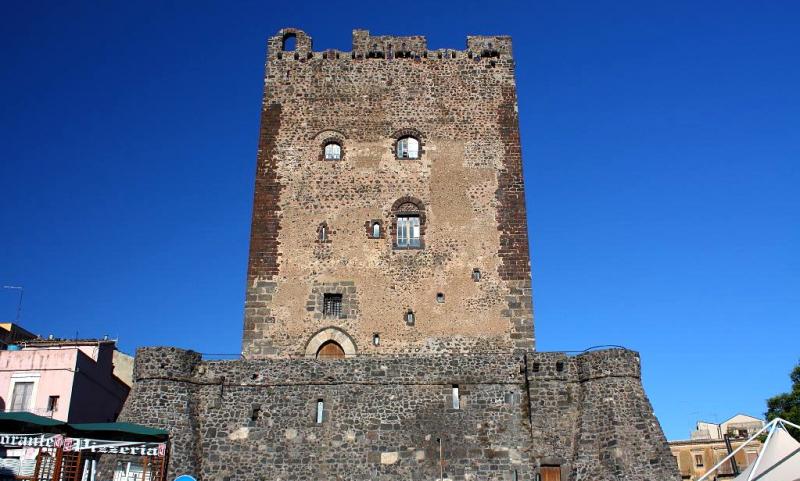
330, 350
550, 473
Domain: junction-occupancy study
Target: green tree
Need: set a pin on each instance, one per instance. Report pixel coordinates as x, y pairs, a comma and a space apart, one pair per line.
787, 405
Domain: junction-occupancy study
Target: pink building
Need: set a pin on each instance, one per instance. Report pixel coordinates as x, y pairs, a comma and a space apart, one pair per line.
68, 380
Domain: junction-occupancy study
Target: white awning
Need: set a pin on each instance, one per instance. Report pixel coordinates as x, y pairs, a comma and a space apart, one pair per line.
779, 460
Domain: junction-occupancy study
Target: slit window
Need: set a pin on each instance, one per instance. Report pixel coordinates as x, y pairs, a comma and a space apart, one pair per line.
476, 275
323, 233
376, 339
333, 151
320, 411
408, 148
456, 400
410, 318
376, 230
332, 305
408, 231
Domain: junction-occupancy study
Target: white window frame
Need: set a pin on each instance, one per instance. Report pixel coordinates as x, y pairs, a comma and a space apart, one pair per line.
407, 148
409, 231
335, 153
17, 378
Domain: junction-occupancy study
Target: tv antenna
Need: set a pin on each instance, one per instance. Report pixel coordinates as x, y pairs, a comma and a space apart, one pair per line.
19, 303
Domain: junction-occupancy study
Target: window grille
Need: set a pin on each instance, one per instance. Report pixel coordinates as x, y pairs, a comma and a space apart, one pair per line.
408, 230
333, 151
408, 148
332, 305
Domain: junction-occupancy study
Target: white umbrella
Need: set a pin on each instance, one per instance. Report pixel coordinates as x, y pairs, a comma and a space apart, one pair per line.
779, 459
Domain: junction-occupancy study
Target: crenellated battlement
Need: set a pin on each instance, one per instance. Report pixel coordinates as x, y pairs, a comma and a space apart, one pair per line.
559, 366
387, 47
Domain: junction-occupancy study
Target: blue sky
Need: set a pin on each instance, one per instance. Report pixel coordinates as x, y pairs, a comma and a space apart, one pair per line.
661, 146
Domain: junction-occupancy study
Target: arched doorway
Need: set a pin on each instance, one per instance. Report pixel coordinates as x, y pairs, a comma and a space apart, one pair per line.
330, 350
330, 343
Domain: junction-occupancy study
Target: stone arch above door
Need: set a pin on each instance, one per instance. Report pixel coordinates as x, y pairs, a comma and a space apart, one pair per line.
330, 334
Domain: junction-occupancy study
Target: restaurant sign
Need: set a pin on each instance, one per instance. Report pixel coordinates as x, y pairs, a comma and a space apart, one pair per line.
103, 446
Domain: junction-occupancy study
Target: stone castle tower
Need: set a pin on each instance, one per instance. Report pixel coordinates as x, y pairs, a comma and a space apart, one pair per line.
388, 320
389, 182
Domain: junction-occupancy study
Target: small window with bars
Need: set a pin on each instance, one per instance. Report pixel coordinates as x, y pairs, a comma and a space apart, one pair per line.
332, 305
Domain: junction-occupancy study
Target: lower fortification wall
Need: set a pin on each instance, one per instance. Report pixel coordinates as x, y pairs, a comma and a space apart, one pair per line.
591, 417
394, 418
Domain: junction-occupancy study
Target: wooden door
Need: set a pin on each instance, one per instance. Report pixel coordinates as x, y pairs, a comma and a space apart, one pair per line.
551, 473
330, 350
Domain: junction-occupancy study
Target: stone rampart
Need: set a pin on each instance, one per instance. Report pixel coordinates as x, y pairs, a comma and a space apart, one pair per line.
394, 417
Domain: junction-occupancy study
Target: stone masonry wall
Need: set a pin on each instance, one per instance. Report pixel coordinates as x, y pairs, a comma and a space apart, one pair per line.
392, 418
590, 415
467, 184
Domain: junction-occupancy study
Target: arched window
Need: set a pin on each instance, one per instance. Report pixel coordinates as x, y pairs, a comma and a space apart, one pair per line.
408, 224
407, 148
376, 230
333, 151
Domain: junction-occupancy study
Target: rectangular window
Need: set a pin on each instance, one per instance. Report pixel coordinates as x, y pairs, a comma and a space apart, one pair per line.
22, 396
698, 460
456, 400
408, 231
332, 305
52, 403
320, 410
